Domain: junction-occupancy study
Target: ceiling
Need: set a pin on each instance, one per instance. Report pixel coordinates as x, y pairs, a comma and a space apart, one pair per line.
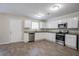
32, 9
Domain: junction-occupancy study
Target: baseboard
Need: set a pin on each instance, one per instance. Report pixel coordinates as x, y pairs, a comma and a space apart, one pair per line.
21, 41
10, 42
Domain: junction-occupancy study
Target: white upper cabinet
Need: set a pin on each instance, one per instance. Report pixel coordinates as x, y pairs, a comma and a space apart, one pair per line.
52, 24
73, 23
27, 24
33, 24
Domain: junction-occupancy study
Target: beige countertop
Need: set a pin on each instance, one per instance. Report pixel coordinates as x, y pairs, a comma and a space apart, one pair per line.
71, 33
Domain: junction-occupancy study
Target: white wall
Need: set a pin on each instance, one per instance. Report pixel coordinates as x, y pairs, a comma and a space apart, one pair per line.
42, 24
4, 29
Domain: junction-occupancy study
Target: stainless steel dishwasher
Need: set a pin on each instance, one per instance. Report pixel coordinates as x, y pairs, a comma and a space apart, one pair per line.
31, 37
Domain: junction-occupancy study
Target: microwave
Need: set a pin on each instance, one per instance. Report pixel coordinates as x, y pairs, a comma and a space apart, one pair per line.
64, 25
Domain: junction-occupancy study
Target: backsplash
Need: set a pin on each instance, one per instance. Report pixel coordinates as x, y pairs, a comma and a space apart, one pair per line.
54, 30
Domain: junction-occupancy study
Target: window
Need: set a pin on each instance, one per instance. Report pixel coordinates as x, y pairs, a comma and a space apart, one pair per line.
35, 25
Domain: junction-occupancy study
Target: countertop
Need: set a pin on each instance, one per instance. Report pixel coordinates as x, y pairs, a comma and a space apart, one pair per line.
49, 31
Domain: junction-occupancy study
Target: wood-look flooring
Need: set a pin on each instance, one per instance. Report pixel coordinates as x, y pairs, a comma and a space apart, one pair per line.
38, 48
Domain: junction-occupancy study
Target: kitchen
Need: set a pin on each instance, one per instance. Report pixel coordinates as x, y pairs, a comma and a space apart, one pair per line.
48, 31
59, 26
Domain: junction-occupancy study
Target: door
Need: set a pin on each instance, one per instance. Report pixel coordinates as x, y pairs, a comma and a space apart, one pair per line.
16, 30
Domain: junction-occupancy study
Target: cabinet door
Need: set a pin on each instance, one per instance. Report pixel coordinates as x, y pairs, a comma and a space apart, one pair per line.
51, 37
47, 36
52, 24
39, 36
27, 24
70, 41
26, 37
73, 23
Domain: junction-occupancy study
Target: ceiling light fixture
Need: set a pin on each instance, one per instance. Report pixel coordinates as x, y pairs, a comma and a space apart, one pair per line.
55, 7
39, 15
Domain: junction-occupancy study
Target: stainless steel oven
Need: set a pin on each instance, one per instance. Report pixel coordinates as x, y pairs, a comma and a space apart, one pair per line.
60, 36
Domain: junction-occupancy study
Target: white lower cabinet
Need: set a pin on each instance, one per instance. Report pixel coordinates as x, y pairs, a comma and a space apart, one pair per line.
39, 36
51, 37
47, 36
26, 37
70, 41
